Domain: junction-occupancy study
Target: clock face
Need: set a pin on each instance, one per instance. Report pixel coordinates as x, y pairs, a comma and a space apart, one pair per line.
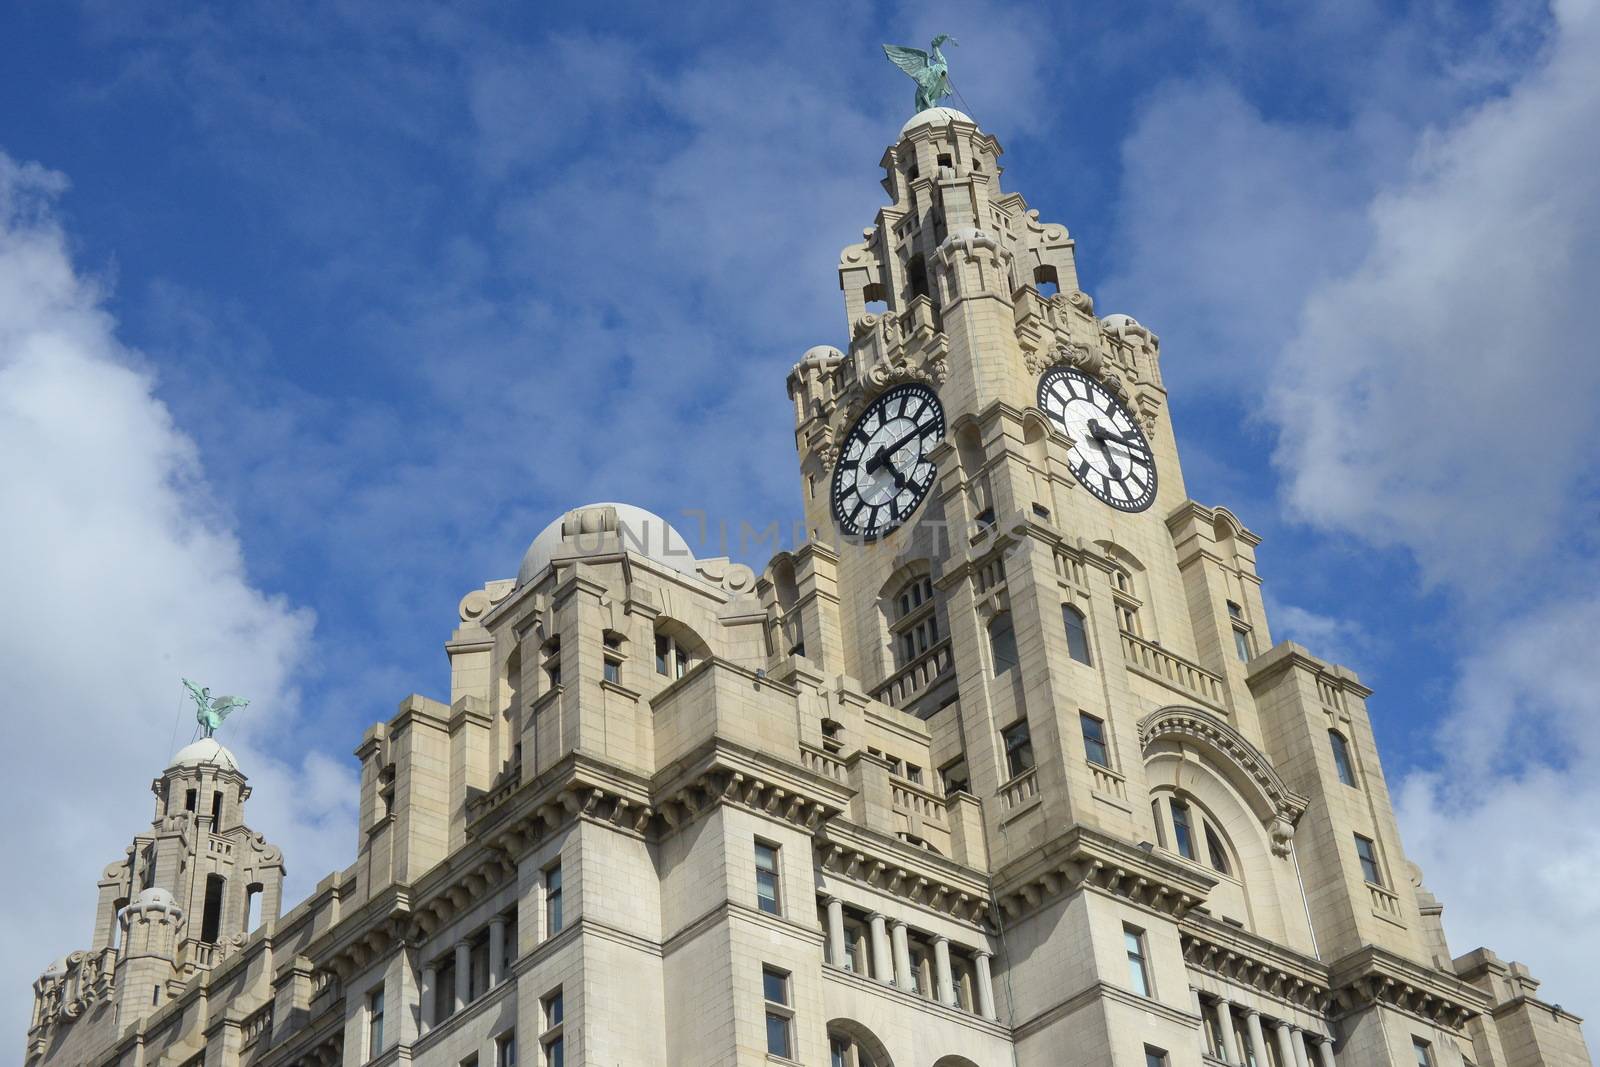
883, 471
1110, 455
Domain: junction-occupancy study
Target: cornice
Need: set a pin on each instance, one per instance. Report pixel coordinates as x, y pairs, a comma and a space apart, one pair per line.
891, 866
1372, 976
1083, 858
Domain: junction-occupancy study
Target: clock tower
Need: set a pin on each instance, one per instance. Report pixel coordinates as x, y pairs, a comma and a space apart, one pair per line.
1186, 829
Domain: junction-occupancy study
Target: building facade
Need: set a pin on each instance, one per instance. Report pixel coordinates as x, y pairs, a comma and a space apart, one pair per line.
1002, 768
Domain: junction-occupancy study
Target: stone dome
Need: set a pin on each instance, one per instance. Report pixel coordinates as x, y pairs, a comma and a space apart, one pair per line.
597, 529
1118, 322
155, 896
935, 116
204, 752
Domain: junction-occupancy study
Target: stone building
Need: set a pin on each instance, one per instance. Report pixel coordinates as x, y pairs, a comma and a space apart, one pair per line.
1002, 768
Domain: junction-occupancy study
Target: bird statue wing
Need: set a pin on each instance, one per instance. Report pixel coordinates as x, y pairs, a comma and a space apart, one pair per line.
914, 61
223, 706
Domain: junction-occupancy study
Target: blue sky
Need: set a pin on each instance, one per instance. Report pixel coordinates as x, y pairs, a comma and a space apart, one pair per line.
312, 316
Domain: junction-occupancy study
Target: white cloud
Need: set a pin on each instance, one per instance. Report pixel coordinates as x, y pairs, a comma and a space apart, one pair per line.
118, 574
1441, 394
1506, 813
1340, 640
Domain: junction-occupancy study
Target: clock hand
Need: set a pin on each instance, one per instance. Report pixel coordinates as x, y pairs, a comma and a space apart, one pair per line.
888, 450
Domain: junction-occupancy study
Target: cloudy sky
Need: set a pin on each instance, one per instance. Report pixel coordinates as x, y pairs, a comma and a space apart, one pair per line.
311, 316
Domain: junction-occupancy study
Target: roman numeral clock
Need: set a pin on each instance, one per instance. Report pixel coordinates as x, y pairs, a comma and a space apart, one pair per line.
883, 471
1110, 456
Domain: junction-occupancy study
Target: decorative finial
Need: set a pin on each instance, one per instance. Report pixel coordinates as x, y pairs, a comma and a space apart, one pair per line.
209, 711
928, 69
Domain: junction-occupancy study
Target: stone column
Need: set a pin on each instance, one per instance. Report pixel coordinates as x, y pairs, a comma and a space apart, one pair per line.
882, 965
1285, 1043
497, 950
429, 990
902, 958
1299, 1043
1258, 1040
463, 973
1230, 1044
838, 955
1325, 1052
941, 969
986, 987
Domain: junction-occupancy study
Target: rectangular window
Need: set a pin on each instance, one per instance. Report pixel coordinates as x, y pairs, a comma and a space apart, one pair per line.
505, 1049
551, 1040
954, 778
1019, 747
663, 654
1341, 757
375, 1023
1182, 828
1003, 644
1138, 965
1154, 1057
613, 671
552, 900
1094, 740
838, 1052
444, 991
1368, 854
780, 1018
1241, 644
1424, 1052
767, 877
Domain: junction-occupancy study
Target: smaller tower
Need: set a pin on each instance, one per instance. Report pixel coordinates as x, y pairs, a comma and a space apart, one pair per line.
186, 894
151, 929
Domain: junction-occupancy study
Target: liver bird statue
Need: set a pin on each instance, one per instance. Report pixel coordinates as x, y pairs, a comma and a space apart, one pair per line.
209, 711
928, 69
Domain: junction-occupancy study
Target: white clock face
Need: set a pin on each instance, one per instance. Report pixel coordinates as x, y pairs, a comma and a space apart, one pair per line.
883, 471
1110, 455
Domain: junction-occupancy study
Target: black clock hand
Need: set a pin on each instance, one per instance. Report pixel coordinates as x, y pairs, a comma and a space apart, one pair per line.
1102, 436
883, 454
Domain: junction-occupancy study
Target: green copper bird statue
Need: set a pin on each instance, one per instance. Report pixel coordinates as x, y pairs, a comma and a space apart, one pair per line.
928, 69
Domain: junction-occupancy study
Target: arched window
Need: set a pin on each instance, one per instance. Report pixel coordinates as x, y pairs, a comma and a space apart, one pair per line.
1192, 831
1002, 643
1126, 598
1341, 757
852, 1045
913, 620
1077, 633
677, 647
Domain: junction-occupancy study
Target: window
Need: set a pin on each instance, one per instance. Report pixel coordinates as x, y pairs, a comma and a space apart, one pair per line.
1424, 1052
1368, 854
767, 877
211, 920
1003, 643
1126, 600
780, 1018
1019, 747
672, 659
190, 799
444, 989
1214, 850
1154, 1057
954, 777
916, 621
374, 1022
1241, 644
552, 900
216, 808
505, 1049
1077, 633
478, 970
1341, 757
612, 657
551, 1040
839, 1052
1094, 740
1138, 964
552, 660
1182, 829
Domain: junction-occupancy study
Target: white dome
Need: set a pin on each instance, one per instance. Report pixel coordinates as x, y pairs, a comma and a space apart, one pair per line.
1117, 322
595, 529
934, 116
204, 752
56, 969
155, 896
